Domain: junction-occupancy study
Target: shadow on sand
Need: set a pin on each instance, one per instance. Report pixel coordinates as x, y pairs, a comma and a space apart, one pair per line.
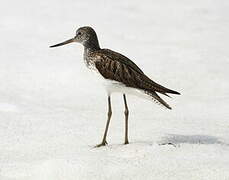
177, 139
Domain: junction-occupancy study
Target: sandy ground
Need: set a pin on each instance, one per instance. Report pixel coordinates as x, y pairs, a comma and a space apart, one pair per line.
52, 111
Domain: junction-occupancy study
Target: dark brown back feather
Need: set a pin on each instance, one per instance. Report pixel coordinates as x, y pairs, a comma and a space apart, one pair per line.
117, 67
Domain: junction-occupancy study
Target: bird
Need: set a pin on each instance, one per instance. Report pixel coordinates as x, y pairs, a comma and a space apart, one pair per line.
118, 74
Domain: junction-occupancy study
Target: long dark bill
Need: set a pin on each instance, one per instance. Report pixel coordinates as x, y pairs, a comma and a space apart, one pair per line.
63, 43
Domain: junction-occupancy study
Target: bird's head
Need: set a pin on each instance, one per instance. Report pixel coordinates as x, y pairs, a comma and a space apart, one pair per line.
85, 36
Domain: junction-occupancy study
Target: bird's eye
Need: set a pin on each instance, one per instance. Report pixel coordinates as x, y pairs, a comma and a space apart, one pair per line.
79, 33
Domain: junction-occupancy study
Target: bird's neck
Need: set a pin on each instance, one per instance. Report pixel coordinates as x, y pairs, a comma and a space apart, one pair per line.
90, 46
90, 49
87, 56
92, 43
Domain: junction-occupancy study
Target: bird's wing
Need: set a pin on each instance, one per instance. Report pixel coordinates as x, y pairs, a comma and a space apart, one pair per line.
120, 58
119, 68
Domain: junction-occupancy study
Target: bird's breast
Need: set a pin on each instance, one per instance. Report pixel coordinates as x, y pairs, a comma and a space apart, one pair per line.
89, 62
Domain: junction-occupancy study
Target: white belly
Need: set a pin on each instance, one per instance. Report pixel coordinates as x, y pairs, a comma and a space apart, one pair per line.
117, 87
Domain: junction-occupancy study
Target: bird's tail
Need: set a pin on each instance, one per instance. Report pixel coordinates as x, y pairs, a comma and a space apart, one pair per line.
157, 99
153, 86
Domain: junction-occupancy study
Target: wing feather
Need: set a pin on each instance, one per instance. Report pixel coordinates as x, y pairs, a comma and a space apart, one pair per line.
116, 67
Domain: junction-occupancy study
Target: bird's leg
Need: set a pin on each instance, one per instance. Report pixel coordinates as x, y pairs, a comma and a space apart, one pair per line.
126, 112
104, 142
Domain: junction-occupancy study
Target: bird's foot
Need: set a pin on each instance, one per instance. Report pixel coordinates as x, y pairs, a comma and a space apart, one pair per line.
126, 142
104, 143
